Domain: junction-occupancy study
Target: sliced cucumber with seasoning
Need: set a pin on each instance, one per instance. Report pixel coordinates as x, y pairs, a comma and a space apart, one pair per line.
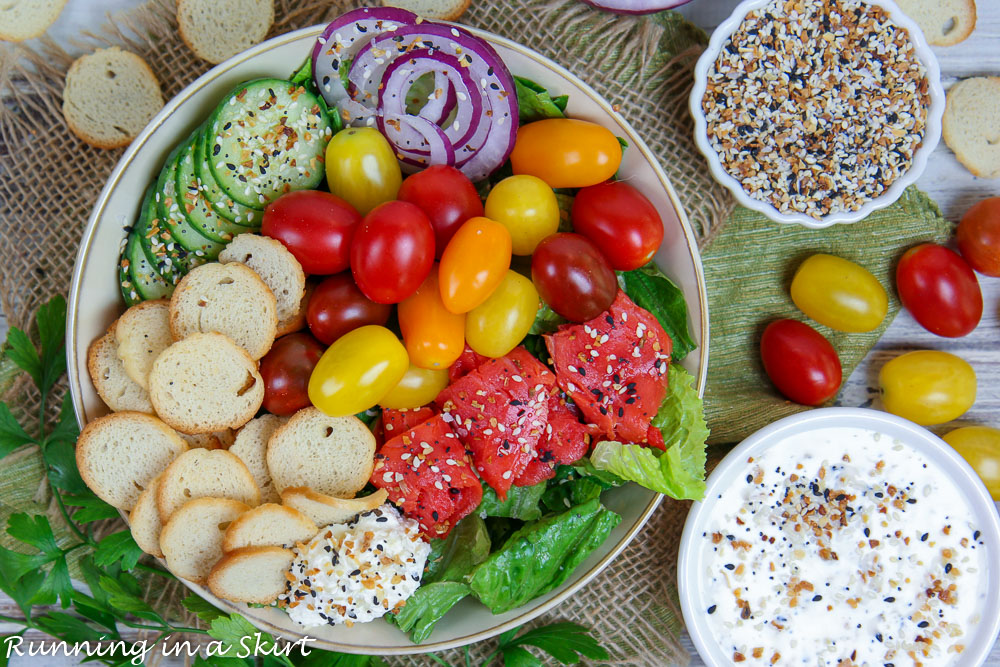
196, 208
266, 138
139, 278
172, 216
248, 216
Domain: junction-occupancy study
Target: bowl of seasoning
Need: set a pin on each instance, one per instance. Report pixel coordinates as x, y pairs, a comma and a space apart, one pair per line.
842, 536
817, 111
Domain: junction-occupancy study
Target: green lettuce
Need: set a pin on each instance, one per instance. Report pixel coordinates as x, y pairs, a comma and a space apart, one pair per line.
427, 606
541, 555
546, 321
522, 502
678, 472
535, 103
652, 290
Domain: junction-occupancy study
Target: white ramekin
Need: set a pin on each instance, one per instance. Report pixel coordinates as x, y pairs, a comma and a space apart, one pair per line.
932, 131
734, 467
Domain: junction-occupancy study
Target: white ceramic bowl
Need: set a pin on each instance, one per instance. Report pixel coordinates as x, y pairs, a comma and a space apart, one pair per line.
734, 467
95, 303
932, 131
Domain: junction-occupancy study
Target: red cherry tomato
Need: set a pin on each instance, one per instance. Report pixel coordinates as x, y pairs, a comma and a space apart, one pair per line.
979, 236
620, 221
315, 226
573, 277
286, 369
800, 362
446, 196
392, 251
338, 306
940, 290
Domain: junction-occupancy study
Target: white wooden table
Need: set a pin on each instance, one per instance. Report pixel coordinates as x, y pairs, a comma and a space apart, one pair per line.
954, 189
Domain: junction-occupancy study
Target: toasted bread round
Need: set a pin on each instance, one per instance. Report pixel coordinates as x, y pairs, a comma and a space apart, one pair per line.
144, 520
331, 455
269, 525
297, 321
251, 447
205, 383
971, 124
251, 574
218, 29
203, 473
215, 440
143, 332
192, 539
324, 509
442, 10
230, 299
275, 265
110, 95
26, 19
114, 386
943, 22
120, 454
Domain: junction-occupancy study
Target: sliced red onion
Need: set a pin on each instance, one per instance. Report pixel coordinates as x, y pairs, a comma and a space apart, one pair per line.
344, 37
635, 6
418, 142
492, 138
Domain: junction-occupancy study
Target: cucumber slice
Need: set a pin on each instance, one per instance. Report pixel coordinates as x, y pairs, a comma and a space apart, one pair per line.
221, 202
139, 278
172, 216
196, 208
266, 138
129, 293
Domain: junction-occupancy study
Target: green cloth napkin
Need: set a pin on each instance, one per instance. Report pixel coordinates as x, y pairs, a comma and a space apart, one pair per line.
748, 270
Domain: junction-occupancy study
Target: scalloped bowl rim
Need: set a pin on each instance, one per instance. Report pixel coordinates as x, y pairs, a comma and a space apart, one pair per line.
932, 132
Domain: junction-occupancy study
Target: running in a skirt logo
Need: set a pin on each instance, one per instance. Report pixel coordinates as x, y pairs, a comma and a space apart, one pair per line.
250, 645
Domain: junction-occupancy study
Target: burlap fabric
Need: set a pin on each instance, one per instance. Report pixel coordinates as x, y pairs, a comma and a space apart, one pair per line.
49, 181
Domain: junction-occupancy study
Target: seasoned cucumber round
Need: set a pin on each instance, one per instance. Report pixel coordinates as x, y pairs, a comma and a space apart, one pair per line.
138, 276
192, 201
172, 217
223, 204
266, 138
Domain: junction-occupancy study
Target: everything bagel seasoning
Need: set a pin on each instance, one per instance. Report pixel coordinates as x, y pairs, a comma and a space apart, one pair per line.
816, 106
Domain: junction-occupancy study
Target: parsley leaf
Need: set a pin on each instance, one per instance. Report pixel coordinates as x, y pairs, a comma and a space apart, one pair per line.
51, 320
201, 608
125, 596
34, 530
566, 642
91, 507
12, 435
118, 547
24, 354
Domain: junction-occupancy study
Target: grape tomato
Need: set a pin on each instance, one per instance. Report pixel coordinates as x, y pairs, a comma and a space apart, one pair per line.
392, 251
357, 371
361, 168
927, 386
940, 290
620, 221
573, 277
433, 335
978, 236
527, 207
499, 324
566, 152
839, 294
980, 447
316, 227
800, 362
286, 369
446, 196
473, 264
417, 388
337, 306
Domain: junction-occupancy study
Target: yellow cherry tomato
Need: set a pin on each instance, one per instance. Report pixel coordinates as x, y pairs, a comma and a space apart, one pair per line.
927, 386
357, 371
417, 388
497, 325
566, 153
361, 168
434, 336
980, 446
527, 207
473, 263
839, 293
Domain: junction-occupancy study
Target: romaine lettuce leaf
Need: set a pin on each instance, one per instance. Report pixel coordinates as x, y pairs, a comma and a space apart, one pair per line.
427, 606
455, 556
678, 472
521, 503
652, 290
535, 103
570, 492
540, 556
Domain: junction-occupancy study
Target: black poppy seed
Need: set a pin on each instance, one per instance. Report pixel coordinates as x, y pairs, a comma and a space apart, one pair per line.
730, 566
889, 599
711, 610
947, 568
923, 538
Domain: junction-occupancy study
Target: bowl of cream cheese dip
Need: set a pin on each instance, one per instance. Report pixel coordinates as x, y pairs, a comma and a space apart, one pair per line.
842, 536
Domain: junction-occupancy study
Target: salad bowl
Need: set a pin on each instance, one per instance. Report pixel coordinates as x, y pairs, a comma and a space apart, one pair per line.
95, 302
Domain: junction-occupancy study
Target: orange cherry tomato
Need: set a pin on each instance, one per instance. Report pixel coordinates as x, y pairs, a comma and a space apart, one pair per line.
566, 153
434, 337
474, 263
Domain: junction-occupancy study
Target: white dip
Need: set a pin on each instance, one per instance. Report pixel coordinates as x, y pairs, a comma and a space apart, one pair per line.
842, 547
357, 571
